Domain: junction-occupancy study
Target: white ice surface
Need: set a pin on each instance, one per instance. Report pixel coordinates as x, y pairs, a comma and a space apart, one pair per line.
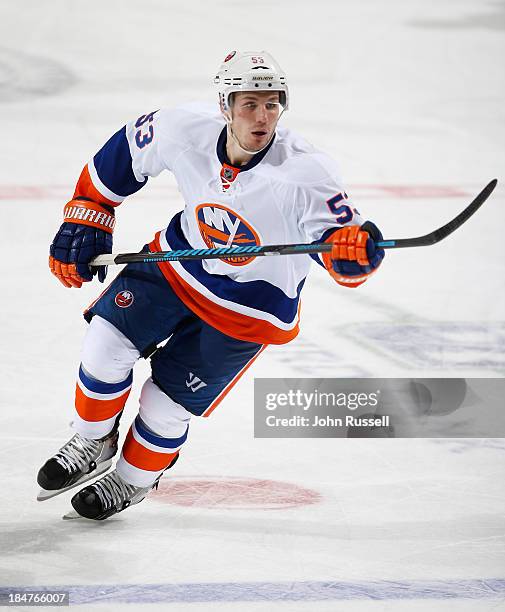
402, 93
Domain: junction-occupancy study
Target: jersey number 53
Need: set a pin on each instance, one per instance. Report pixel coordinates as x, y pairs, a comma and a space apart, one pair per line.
343, 212
145, 134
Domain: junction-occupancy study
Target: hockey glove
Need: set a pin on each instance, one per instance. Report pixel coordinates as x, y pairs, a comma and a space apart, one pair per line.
85, 233
354, 257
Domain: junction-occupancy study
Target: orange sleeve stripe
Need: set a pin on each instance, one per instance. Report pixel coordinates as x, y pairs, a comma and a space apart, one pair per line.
143, 458
231, 384
95, 410
86, 189
227, 321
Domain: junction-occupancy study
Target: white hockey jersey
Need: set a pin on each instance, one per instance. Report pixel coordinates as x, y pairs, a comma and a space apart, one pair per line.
288, 193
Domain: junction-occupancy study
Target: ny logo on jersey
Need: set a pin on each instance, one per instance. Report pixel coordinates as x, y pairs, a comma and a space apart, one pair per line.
194, 383
222, 227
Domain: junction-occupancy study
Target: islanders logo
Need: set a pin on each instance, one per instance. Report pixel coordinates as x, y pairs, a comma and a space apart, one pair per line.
124, 299
221, 227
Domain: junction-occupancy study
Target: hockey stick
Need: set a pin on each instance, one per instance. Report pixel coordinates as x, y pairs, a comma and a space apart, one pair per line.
295, 249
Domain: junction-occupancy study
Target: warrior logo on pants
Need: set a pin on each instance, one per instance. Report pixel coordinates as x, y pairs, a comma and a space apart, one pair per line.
194, 383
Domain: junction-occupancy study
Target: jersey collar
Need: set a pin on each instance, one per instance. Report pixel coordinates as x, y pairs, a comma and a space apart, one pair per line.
223, 157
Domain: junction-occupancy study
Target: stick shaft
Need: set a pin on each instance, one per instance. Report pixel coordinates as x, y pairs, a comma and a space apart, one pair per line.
294, 249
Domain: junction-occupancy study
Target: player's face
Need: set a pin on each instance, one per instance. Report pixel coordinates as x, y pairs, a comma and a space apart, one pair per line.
254, 117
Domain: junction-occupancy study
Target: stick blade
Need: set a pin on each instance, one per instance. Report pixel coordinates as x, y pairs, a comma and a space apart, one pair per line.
465, 214
447, 229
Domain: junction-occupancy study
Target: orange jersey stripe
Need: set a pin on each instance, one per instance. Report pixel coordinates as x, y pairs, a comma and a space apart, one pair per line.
143, 458
95, 410
86, 189
227, 321
231, 384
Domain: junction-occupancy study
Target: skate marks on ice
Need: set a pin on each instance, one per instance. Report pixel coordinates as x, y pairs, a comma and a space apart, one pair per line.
24, 76
449, 345
307, 358
276, 509
423, 345
465, 445
51, 540
233, 493
228, 493
408, 340
281, 592
493, 19
270, 529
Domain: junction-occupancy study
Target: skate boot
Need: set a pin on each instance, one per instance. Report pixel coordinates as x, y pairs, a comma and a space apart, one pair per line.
107, 496
79, 460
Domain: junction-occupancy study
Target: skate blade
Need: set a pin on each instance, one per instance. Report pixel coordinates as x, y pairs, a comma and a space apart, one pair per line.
73, 515
44, 494
69, 516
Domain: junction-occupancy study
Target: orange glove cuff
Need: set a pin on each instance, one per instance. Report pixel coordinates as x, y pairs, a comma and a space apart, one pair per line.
89, 213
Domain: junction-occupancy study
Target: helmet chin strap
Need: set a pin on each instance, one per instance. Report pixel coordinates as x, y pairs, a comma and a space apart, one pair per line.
229, 121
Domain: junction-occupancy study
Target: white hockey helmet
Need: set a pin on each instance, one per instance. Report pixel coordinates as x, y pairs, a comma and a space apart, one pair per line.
250, 71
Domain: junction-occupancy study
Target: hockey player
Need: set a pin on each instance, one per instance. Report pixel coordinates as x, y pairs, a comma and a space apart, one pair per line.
244, 181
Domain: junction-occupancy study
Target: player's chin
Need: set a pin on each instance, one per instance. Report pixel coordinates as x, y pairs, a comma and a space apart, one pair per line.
259, 139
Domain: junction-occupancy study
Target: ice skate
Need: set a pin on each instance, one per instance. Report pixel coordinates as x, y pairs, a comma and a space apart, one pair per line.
79, 460
106, 497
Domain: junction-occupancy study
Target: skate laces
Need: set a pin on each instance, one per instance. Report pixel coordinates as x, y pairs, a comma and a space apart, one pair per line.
77, 453
113, 491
